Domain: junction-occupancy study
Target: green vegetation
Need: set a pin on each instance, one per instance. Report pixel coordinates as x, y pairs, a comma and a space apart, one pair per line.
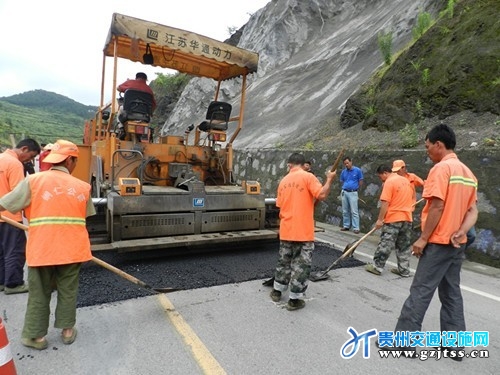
44, 125
419, 110
444, 30
371, 92
309, 146
426, 76
385, 45
489, 142
50, 101
370, 110
424, 22
167, 89
169, 84
416, 64
453, 66
279, 146
450, 9
409, 136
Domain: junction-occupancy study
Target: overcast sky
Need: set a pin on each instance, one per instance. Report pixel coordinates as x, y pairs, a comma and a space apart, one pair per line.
57, 45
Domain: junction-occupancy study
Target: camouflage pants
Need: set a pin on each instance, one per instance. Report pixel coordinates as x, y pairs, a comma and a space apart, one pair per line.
294, 267
394, 236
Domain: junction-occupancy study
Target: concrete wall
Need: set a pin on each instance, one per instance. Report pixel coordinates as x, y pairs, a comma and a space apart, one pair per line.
268, 167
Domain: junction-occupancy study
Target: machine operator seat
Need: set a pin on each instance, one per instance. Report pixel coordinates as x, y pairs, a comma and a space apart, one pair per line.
218, 115
137, 106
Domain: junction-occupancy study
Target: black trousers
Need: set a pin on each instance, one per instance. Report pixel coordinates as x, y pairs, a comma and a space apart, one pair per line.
12, 255
438, 268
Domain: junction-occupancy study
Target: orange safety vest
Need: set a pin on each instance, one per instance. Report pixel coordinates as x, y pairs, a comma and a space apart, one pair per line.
56, 214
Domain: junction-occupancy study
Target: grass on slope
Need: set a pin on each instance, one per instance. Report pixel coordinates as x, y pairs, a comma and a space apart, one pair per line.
44, 126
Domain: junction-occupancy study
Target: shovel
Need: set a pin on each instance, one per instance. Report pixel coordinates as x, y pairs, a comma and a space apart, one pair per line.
102, 263
323, 275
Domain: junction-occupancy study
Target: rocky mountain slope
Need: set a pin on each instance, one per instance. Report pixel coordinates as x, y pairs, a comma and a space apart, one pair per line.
453, 68
316, 56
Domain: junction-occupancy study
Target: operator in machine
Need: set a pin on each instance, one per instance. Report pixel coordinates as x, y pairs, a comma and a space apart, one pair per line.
139, 83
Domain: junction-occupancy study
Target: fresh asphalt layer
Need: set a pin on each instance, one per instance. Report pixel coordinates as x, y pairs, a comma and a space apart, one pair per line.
237, 329
189, 270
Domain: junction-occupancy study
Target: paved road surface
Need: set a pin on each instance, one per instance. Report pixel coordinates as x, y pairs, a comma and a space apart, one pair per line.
236, 328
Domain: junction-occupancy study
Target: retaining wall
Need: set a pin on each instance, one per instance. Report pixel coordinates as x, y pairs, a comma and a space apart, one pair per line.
268, 167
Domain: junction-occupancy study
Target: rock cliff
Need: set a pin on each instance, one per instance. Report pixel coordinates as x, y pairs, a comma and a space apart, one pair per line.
313, 55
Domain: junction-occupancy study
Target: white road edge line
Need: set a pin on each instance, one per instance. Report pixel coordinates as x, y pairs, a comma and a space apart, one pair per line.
463, 287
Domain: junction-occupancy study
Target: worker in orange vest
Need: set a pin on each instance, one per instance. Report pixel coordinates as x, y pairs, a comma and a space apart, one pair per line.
56, 205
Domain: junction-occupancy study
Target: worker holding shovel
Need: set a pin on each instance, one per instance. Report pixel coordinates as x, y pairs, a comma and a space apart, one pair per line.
395, 219
56, 205
297, 193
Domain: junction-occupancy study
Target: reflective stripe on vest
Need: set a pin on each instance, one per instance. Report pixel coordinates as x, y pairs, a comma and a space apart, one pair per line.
57, 220
463, 180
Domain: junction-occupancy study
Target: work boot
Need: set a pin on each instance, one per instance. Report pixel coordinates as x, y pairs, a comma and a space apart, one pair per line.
295, 304
396, 271
23, 288
371, 268
275, 295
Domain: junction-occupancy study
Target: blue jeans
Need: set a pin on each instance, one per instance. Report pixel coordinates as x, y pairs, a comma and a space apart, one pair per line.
350, 210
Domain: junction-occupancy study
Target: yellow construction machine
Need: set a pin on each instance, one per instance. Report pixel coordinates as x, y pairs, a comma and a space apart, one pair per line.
178, 189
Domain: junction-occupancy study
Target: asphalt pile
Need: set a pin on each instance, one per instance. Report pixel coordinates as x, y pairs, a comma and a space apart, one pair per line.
194, 268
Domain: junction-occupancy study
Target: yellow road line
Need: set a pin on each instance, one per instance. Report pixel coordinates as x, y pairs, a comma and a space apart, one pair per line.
201, 354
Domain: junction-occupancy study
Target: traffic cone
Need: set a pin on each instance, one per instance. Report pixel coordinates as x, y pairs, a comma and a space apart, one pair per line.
7, 366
